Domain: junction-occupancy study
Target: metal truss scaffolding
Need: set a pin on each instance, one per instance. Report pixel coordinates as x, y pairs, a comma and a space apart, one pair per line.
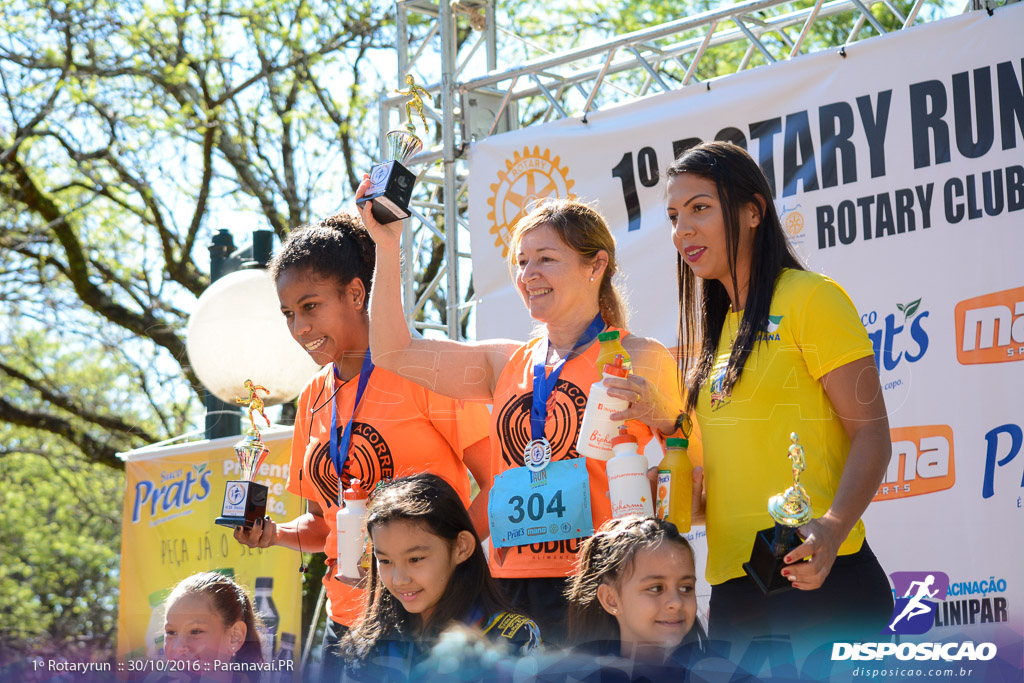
573, 83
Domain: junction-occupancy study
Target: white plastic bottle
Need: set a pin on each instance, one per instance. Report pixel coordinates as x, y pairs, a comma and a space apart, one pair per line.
597, 430
351, 531
628, 486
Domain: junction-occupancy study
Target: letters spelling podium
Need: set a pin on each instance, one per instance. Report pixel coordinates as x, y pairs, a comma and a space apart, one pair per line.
391, 183
790, 510
245, 501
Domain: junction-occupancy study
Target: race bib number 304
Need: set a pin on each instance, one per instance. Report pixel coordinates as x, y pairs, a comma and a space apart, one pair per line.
526, 507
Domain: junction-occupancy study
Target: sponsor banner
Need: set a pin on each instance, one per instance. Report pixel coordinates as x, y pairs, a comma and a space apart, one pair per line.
903, 179
172, 496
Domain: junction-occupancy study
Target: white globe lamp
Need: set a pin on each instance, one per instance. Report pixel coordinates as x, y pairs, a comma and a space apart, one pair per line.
237, 332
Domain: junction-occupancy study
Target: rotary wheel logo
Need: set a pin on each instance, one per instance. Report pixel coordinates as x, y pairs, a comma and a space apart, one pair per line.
792, 220
795, 223
527, 177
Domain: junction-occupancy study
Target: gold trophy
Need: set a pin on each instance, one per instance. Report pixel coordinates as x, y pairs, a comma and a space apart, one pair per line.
790, 510
245, 501
391, 182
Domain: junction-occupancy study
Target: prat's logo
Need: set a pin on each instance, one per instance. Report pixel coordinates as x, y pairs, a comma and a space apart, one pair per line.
527, 178
990, 328
916, 594
922, 462
898, 339
174, 492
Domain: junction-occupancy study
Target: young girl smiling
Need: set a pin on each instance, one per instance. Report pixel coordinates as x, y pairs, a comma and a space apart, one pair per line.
633, 594
209, 624
430, 574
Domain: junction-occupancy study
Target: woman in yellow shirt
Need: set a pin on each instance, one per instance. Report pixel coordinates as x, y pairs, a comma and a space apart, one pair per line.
769, 348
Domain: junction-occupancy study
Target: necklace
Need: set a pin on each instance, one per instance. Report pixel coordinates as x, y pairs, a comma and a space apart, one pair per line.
731, 331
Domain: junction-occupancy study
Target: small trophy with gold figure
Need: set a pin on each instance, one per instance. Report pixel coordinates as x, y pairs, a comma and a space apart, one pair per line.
390, 182
790, 510
245, 501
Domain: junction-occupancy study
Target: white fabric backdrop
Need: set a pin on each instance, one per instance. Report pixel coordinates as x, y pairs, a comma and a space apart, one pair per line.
948, 96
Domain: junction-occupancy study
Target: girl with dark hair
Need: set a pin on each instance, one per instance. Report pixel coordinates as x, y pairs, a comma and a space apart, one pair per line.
209, 624
769, 348
633, 595
562, 261
355, 421
430, 573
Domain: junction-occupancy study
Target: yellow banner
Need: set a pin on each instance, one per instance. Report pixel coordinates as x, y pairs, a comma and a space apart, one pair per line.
173, 494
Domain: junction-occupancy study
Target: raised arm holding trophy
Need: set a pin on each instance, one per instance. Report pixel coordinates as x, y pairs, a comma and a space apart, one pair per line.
391, 182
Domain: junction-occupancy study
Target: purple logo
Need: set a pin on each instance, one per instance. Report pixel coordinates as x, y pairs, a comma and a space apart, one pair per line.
916, 593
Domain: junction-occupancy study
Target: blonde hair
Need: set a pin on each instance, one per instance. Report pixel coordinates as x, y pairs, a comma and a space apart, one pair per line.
586, 232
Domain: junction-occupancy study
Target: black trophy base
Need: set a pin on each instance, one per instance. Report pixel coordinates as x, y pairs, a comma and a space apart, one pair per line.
390, 190
244, 503
765, 565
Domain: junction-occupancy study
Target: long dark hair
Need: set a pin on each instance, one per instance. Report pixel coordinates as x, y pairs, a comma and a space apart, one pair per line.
703, 304
231, 603
608, 557
430, 501
338, 247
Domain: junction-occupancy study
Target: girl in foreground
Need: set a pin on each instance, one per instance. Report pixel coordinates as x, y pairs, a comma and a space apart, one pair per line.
210, 625
633, 595
769, 348
429, 574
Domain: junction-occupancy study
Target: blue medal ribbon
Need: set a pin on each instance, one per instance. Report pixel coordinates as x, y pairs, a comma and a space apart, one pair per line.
544, 384
339, 454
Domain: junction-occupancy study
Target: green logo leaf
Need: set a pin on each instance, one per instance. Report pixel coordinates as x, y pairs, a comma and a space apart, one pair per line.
199, 468
909, 309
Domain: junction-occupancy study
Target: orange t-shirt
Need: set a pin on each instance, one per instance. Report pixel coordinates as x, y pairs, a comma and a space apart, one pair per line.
510, 432
400, 429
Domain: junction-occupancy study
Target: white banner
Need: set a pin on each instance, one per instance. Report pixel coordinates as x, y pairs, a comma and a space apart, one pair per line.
899, 171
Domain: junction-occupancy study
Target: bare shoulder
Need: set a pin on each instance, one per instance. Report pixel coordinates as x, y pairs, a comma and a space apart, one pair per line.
644, 346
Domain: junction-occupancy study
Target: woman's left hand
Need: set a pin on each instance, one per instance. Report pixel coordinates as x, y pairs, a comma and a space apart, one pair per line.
646, 403
822, 539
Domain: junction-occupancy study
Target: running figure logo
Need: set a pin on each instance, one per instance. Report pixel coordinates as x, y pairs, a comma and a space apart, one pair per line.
914, 612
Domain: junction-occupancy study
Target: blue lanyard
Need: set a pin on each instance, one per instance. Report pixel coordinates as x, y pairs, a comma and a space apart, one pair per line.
544, 385
340, 454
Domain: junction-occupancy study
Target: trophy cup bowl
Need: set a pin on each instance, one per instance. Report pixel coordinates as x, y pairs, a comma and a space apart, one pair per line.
390, 182
245, 501
790, 510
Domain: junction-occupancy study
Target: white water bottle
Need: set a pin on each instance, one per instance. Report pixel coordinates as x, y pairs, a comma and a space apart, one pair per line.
628, 487
597, 430
351, 531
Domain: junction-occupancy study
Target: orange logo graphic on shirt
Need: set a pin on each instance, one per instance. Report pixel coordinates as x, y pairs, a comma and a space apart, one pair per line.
527, 177
369, 461
922, 462
564, 415
990, 328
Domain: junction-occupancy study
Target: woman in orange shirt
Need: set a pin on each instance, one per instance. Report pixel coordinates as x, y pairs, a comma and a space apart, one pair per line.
353, 417
545, 498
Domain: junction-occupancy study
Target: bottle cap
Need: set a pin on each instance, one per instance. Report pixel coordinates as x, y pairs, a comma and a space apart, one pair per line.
623, 437
608, 336
616, 369
677, 443
264, 582
356, 491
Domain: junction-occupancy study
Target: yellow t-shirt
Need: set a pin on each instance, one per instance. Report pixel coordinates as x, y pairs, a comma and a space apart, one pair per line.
813, 329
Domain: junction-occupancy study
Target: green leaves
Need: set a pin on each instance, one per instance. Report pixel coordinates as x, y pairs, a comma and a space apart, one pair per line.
909, 309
